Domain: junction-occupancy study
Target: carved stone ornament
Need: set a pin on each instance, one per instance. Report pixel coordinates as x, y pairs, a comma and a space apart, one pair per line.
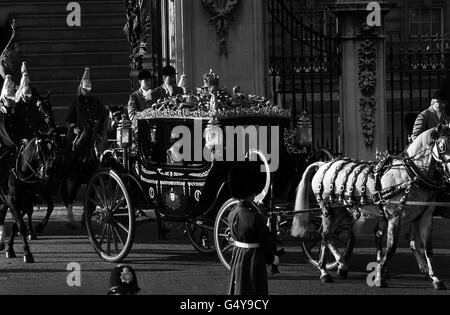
222, 13
367, 84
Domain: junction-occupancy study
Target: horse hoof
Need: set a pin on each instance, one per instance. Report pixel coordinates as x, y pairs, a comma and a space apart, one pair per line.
40, 228
380, 284
10, 254
32, 237
326, 279
439, 285
28, 258
343, 274
2, 247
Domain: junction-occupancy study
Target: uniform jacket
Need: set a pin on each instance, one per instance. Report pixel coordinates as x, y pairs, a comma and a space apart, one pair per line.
27, 120
137, 103
249, 266
427, 120
161, 93
84, 111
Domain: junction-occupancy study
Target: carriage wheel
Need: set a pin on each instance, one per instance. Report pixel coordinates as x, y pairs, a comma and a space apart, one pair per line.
201, 236
223, 241
109, 216
344, 240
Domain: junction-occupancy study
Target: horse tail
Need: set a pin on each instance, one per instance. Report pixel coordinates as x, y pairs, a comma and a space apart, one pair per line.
301, 220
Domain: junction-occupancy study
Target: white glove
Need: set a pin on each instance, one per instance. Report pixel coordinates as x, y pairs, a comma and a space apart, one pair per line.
148, 95
276, 261
4, 110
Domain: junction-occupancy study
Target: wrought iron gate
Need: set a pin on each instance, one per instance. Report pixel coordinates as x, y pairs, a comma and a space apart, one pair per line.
304, 68
416, 68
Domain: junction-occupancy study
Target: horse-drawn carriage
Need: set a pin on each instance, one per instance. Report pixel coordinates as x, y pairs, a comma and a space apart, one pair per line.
176, 169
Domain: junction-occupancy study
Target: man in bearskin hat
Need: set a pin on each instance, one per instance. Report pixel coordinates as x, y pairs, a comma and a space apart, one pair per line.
253, 242
123, 281
434, 115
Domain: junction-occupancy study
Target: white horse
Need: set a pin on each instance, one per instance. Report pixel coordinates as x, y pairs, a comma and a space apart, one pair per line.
403, 180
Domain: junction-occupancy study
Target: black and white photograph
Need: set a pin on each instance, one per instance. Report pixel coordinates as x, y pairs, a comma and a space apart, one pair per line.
223, 153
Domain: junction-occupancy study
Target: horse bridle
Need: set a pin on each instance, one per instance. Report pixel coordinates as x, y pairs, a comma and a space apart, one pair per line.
439, 149
38, 173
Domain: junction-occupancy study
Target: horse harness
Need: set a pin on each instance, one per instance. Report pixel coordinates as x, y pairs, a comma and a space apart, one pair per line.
381, 197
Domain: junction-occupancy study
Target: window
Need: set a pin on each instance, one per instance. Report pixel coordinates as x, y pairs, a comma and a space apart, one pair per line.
426, 21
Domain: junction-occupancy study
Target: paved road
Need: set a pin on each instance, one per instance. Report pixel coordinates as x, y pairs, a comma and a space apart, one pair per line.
174, 267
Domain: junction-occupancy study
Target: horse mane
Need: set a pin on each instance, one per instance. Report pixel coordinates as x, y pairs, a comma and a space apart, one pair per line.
427, 138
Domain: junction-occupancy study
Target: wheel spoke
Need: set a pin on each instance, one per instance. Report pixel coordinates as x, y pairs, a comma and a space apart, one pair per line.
108, 246
102, 236
227, 248
122, 227
116, 195
105, 192
116, 247
115, 229
118, 234
117, 206
99, 196
120, 214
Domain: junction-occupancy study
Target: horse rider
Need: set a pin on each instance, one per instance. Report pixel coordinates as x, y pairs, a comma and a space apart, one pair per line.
7, 141
86, 111
432, 116
141, 99
28, 119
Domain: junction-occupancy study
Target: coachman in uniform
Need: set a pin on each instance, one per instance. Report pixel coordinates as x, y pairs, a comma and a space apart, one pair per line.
141, 99
432, 116
254, 248
169, 87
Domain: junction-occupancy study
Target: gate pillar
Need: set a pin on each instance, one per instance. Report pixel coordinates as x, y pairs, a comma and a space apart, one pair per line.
363, 78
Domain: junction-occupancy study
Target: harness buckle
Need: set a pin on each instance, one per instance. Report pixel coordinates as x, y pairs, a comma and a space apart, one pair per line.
378, 199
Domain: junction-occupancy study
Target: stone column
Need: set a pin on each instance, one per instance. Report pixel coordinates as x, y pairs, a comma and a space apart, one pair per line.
363, 79
247, 45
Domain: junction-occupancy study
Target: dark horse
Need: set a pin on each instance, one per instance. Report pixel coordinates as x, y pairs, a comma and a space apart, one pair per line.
31, 170
79, 163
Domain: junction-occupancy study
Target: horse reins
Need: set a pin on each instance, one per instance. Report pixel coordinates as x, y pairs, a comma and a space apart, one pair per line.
34, 172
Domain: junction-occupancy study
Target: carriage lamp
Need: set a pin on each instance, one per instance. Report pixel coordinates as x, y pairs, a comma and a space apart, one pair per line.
124, 133
304, 131
213, 135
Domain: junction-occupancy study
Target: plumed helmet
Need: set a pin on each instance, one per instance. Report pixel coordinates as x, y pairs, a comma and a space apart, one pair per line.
8, 89
24, 87
24, 68
86, 83
123, 281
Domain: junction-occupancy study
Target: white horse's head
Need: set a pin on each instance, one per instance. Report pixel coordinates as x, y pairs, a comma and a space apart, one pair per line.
441, 148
